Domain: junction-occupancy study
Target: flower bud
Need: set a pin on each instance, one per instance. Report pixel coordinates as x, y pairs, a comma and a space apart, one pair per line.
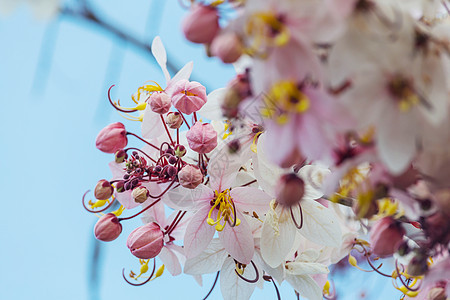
146, 242
180, 151
112, 138
290, 189
120, 156
228, 47
190, 177
386, 236
120, 186
160, 102
418, 265
108, 228
103, 190
202, 138
437, 293
140, 194
201, 24
174, 120
188, 96
237, 90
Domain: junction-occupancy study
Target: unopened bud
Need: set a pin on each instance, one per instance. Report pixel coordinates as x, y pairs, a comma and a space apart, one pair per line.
112, 138
103, 190
201, 24
160, 102
146, 242
228, 47
418, 265
290, 189
120, 186
140, 194
120, 156
180, 151
174, 120
190, 177
202, 138
437, 293
107, 228
386, 236
188, 96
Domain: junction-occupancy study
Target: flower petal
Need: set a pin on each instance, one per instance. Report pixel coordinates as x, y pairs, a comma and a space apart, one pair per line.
198, 233
320, 225
209, 261
250, 199
159, 53
305, 286
238, 240
231, 286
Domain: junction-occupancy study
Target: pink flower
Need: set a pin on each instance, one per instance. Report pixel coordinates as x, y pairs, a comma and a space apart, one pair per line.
386, 235
160, 102
107, 228
201, 24
228, 47
202, 138
146, 241
188, 96
112, 138
190, 177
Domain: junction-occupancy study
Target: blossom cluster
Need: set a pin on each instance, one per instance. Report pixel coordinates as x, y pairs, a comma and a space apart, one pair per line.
331, 141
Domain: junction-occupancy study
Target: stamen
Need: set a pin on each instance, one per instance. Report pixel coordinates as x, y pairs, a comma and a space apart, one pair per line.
96, 211
299, 226
212, 288
141, 283
249, 280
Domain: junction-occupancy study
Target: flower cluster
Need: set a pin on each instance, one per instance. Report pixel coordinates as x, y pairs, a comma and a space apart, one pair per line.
332, 139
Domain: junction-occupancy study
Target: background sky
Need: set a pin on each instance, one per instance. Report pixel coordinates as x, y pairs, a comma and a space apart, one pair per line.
54, 78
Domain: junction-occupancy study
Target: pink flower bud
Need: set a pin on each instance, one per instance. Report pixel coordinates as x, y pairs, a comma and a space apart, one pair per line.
201, 24
188, 96
108, 228
227, 47
190, 177
103, 190
437, 293
386, 236
174, 120
140, 194
120, 156
160, 102
112, 138
146, 242
202, 138
180, 151
290, 189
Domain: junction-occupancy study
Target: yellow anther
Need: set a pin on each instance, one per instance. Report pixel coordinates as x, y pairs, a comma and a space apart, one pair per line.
98, 203
267, 30
352, 260
144, 267
119, 211
220, 227
227, 134
159, 272
253, 147
326, 288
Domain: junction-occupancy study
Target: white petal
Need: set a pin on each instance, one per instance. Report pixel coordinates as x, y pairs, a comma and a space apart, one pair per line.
231, 286
209, 261
151, 126
277, 237
181, 198
306, 268
320, 225
170, 257
305, 286
211, 110
159, 52
277, 273
250, 199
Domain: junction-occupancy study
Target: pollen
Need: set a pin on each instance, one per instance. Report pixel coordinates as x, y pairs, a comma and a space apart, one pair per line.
284, 99
226, 211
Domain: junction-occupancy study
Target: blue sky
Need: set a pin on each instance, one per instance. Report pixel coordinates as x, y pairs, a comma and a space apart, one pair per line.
53, 86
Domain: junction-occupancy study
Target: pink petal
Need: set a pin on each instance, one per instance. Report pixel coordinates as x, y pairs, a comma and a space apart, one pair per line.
238, 241
198, 233
250, 199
